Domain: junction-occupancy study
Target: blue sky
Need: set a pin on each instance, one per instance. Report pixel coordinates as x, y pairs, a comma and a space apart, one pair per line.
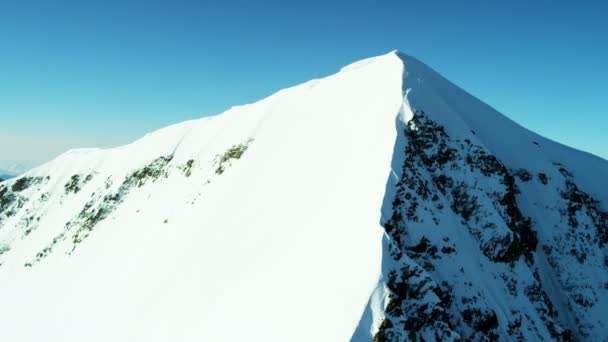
93, 73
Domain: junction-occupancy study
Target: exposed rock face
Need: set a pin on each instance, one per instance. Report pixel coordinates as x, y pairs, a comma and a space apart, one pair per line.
455, 216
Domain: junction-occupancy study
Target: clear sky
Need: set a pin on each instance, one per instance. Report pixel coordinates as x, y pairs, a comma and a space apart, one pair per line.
103, 73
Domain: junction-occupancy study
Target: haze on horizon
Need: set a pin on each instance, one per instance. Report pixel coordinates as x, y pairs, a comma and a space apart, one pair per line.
101, 74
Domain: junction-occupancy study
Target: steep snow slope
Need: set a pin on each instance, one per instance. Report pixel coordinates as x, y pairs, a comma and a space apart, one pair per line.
282, 243
381, 202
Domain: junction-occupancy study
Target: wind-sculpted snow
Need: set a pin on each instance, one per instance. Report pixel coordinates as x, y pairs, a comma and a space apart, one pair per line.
277, 218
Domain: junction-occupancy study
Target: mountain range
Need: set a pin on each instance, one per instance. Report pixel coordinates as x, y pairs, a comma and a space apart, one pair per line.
12, 169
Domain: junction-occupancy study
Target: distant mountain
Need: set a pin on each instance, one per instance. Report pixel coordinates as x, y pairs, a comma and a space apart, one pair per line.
5, 176
12, 169
382, 203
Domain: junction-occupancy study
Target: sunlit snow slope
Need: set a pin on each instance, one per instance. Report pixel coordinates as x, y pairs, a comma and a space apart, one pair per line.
381, 202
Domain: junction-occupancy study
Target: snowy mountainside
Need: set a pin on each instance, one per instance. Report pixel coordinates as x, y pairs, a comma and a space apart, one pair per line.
256, 232
380, 203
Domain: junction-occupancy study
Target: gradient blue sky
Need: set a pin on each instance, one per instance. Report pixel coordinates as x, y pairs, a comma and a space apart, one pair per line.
102, 73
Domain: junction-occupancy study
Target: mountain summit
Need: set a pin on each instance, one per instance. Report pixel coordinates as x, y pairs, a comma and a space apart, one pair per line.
380, 203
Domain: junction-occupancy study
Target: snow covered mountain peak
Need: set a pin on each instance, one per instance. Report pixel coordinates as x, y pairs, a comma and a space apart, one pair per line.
379, 203
390, 58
